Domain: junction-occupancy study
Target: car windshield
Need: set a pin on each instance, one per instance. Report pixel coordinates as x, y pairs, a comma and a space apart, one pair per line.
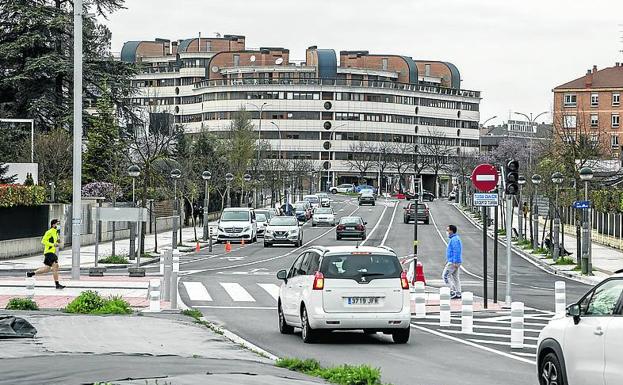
283, 221
350, 220
323, 211
356, 266
367, 193
322, 195
300, 207
312, 199
266, 213
235, 216
260, 217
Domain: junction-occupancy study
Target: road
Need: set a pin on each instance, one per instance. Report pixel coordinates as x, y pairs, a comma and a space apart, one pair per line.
238, 290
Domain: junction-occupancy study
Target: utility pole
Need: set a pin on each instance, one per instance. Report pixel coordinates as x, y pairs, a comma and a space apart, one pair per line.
76, 212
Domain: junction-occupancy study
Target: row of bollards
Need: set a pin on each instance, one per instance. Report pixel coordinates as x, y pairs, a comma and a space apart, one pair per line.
166, 287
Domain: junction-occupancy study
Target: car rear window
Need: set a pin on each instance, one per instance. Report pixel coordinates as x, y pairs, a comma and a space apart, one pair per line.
323, 211
261, 217
350, 220
283, 221
349, 266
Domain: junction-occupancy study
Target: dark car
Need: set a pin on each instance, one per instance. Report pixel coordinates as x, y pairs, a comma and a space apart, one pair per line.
351, 227
423, 213
427, 196
301, 212
367, 198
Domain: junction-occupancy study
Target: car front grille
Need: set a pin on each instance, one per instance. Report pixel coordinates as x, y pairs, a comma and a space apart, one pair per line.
281, 233
233, 229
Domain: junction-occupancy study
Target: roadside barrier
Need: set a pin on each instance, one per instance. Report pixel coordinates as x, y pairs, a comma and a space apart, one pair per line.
467, 313
163, 251
419, 273
154, 295
517, 325
227, 247
166, 281
420, 300
30, 287
560, 297
444, 306
174, 274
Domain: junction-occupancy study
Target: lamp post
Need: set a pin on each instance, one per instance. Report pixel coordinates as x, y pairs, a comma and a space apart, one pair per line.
175, 175
536, 180
480, 136
521, 181
261, 179
259, 138
133, 171
557, 179
247, 179
531, 121
586, 174
228, 178
206, 176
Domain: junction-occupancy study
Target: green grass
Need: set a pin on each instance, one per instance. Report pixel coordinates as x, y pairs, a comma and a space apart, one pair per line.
196, 314
22, 304
577, 268
541, 250
116, 259
90, 302
565, 261
524, 242
342, 375
501, 232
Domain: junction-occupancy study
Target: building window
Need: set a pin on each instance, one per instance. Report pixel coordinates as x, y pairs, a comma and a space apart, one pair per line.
569, 121
594, 100
594, 138
236, 60
594, 120
614, 141
616, 99
571, 100
384, 64
615, 120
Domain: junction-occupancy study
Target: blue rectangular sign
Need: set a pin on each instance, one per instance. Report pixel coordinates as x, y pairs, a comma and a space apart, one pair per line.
581, 204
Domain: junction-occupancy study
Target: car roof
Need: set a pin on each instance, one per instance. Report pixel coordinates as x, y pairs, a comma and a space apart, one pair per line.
333, 250
351, 217
238, 209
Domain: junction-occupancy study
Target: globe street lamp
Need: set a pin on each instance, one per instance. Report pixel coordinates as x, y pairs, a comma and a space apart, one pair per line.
246, 178
536, 180
557, 179
175, 175
586, 174
133, 171
206, 176
261, 179
521, 181
228, 178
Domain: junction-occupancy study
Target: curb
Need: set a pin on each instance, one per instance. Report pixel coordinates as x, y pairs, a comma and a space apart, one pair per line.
535, 261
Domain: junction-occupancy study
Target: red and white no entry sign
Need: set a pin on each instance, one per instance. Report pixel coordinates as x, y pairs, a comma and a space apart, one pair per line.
485, 177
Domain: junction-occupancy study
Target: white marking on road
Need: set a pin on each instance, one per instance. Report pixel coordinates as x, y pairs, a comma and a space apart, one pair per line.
391, 222
233, 259
271, 289
502, 343
375, 227
480, 334
236, 307
472, 344
197, 292
237, 292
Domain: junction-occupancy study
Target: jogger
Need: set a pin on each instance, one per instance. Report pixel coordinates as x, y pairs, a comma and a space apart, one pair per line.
50, 260
454, 253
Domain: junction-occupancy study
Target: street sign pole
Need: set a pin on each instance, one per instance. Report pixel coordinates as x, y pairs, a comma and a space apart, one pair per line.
495, 253
485, 225
509, 213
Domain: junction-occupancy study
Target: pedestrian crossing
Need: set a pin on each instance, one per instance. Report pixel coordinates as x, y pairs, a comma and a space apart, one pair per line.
493, 330
230, 293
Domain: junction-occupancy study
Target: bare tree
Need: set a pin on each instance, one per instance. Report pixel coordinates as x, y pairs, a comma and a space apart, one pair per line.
382, 159
437, 152
361, 158
401, 160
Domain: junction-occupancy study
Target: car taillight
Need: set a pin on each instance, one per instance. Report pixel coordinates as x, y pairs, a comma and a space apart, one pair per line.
426, 211
319, 281
340, 227
404, 282
359, 227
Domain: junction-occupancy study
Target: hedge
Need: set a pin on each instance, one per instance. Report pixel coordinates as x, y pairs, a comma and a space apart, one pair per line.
17, 195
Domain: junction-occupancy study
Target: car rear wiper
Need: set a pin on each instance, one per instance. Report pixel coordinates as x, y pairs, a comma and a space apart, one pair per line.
371, 274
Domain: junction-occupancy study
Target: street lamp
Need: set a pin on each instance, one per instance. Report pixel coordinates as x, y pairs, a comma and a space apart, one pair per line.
521, 181
557, 179
206, 176
531, 121
586, 174
133, 171
246, 178
175, 175
228, 178
480, 136
536, 180
259, 135
261, 179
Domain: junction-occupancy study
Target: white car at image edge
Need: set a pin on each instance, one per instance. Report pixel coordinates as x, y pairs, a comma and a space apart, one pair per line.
345, 288
585, 346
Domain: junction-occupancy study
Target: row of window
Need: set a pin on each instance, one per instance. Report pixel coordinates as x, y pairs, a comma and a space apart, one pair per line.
327, 155
571, 100
571, 121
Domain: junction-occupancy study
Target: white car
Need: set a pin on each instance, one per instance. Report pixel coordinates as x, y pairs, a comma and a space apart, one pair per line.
585, 346
325, 201
313, 200
262, 223
343, 188
345, 288
283, 230
236, 224
323, 216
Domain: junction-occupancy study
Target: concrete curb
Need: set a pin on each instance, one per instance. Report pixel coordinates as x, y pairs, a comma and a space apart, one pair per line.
534, 260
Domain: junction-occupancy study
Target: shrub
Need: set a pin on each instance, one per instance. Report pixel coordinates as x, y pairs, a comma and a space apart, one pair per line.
90, 302
565, 261
342, 375
22, 304
196, 314
114, 305
118, 259
17, 195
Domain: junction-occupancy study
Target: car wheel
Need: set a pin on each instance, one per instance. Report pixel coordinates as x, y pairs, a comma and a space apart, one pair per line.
405, 220
426, 221
550, 372
284, 328
363, 236
337, 237
313, 224
373, 204
334, 191
369, 331
309, 335
255, 238
401, 336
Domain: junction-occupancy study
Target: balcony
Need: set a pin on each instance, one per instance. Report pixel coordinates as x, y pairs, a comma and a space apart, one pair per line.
193, 72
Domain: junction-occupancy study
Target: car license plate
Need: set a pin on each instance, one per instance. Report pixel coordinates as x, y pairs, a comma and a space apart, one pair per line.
350, 227
362, 300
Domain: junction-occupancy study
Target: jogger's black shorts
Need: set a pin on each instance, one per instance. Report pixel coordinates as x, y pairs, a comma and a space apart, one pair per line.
50, 258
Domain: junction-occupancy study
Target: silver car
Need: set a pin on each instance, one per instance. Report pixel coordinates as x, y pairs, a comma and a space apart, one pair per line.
323, 216
283, 230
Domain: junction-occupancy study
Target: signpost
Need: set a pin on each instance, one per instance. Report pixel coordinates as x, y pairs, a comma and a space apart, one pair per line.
485, 179
581, 204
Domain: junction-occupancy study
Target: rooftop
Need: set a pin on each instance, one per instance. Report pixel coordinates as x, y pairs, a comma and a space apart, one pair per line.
610, 77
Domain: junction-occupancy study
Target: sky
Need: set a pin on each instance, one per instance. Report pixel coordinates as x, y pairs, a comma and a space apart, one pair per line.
514, 52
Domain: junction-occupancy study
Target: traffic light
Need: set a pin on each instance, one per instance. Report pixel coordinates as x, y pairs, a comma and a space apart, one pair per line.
512, 177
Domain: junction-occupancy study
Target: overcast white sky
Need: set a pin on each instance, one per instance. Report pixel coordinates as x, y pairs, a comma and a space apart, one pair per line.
513, 51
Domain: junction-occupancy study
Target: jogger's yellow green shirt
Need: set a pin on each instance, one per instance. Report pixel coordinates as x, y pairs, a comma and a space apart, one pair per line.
49, 240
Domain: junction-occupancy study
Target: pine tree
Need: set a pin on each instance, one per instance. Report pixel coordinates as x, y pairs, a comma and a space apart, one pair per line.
6, 179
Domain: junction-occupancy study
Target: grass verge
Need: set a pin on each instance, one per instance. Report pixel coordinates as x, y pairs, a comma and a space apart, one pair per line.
196, 314
342, 375
565, 261
22, 304
116, 259
90, 302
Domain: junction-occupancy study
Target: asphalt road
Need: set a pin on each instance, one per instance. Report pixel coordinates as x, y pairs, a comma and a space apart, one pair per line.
238, 290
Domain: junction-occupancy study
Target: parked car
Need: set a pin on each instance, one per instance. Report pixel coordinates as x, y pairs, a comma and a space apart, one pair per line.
423, 213
325, 201
351, 227
302, 210
313, 200
426, 196
283, 230
585, 345
343, 188
365, 187
323, 216
345, 288
452, 195
367, 198
236, 224
262, 222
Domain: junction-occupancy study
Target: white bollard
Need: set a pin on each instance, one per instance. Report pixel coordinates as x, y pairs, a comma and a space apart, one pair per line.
517, 325
174, 273
467, 313
30, 287
444, 306
560, 297
420, 300
163, 252
154, 295
166, 281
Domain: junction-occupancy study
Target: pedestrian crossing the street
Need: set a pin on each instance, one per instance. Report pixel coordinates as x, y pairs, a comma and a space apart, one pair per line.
263, 294
492, 330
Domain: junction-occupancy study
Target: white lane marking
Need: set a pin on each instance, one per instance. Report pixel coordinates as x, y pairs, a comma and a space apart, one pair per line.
472, 344
480, 334
271, 289
237, 292
235, 307
502, 343
375, 227
391, 222
197, 292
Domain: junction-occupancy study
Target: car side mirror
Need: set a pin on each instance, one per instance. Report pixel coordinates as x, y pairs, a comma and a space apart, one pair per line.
282, 275
573, 310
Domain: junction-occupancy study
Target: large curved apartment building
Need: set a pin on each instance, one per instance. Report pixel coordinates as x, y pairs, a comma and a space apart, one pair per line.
339, 112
